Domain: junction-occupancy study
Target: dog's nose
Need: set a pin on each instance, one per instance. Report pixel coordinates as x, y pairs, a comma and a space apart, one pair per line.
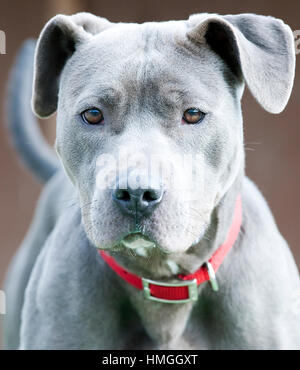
137, 202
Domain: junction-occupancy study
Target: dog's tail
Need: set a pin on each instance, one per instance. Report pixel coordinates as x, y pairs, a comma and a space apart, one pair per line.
34, 151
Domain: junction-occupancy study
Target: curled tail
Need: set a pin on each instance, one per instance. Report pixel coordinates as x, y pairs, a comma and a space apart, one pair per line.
34, 151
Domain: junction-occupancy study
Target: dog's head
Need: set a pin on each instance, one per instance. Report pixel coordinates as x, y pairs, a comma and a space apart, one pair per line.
149, 123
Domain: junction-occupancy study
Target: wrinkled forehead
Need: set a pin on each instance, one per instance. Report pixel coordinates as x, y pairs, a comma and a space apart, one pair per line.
149, 59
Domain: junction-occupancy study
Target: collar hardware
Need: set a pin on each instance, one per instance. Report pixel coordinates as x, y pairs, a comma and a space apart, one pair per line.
191, 285
212, 277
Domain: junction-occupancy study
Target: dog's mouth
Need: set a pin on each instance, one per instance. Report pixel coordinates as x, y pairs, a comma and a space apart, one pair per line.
143, 245
137, 240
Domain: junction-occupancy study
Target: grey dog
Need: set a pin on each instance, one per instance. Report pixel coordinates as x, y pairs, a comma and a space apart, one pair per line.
158, 89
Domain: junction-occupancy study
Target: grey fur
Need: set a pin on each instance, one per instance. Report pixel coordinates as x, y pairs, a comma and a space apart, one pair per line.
145, 76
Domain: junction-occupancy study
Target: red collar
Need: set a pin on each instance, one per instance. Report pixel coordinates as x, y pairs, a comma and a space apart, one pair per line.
186, 289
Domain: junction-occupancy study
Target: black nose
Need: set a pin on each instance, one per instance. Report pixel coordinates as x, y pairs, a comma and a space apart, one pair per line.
137, 202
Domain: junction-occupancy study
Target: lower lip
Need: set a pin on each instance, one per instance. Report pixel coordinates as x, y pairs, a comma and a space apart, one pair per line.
137, 240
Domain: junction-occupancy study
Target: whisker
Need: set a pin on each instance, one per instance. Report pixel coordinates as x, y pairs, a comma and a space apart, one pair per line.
252, 143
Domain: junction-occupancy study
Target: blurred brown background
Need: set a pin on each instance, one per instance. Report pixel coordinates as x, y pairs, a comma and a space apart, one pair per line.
273, 141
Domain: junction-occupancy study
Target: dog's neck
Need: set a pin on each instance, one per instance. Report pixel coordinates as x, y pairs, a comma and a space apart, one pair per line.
160, 266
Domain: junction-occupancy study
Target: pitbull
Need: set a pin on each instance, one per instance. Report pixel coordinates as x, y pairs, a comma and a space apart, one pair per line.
107, 231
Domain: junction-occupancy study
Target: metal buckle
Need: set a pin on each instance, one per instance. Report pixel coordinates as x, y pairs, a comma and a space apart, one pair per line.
191, 284
212, 277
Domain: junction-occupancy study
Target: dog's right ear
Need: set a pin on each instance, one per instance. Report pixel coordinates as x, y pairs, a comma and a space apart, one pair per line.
56, 44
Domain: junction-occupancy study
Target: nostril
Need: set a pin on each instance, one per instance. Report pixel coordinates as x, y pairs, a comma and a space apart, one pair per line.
150, 196
122, 195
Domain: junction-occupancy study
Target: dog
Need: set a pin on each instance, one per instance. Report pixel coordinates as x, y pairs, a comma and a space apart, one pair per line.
120, 257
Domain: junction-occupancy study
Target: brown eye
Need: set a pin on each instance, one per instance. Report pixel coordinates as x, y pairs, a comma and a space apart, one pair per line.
92, 116
193, 116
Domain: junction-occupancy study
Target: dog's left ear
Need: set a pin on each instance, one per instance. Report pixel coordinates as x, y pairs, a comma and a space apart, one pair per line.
59, 39
258, 49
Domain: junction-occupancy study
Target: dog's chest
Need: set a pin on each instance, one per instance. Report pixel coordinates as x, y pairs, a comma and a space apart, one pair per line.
166, 326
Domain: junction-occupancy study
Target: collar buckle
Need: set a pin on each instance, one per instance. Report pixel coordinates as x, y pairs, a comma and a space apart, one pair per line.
191, 284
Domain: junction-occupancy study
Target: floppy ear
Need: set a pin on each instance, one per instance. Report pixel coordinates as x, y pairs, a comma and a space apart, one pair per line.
56, 44
258, 49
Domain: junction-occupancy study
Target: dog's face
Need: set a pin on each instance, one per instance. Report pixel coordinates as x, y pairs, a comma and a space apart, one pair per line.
143, 84
149, 124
